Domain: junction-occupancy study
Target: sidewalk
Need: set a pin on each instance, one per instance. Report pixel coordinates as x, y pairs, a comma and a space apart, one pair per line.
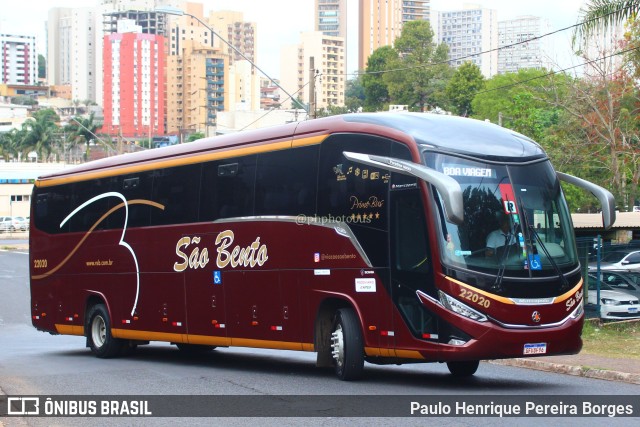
582, 365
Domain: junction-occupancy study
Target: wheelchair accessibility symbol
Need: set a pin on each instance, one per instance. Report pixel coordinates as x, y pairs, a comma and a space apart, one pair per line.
217, 277
534, 262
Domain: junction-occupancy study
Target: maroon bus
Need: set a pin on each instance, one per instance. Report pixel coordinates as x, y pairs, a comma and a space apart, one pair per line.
362, 237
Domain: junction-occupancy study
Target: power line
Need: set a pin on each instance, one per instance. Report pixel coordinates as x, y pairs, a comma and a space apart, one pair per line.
551, 73
357, 73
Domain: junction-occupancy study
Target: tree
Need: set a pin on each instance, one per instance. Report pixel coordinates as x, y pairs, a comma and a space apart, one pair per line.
39, 133
465, 83
376, 93
601, 15
354, 95
82, 131
420, 69
42, 67
195, 136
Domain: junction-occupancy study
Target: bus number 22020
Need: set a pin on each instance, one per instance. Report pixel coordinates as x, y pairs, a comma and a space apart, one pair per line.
474, 297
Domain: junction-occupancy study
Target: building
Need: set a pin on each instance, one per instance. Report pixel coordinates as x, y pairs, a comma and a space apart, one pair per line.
196, 82
472, 36
12, 116
328, 54
18, 59
381, 23
331, 17
72, 46
238, 33
520, 46
134, 79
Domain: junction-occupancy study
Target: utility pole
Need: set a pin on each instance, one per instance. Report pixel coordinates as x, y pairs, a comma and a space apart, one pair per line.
312, 88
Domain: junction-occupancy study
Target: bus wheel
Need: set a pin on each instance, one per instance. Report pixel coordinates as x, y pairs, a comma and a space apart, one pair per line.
195, 348
463, 369
102, 344
347, 345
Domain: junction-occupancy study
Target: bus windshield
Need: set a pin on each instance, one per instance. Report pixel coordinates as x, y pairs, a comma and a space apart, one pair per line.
516, 222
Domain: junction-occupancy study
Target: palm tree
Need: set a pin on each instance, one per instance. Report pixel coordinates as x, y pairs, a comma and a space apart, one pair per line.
40, 132
83, 131
600, 15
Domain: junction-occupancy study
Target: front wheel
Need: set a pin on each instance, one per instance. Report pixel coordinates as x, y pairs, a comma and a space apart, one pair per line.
347, 345
101, 342
463, 369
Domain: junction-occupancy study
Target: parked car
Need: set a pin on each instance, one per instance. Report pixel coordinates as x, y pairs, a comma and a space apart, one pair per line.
5, 223
613, 304
623, 281
618, 260
16, 223
20, 223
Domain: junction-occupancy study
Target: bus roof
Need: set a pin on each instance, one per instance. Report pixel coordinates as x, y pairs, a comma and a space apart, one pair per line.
446, 133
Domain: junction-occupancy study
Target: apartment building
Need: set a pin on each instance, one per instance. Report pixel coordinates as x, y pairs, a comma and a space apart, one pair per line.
134, 79
381, 21
196, 82
72, 45
329, 62
472, 35
18, 59
520, 45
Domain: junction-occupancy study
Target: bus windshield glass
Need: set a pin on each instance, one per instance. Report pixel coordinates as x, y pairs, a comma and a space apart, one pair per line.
516, 222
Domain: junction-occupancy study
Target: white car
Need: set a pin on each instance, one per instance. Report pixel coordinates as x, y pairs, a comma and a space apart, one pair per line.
613, 304
618, 260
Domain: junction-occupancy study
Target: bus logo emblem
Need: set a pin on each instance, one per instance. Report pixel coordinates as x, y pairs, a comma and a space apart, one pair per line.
535, 316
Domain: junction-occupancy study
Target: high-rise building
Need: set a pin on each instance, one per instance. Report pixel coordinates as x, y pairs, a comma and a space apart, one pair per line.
520, 45
329, 62
241, 34
72, 45
134, 82
472, 35
331, 17
381, 23
18, 59
196, 82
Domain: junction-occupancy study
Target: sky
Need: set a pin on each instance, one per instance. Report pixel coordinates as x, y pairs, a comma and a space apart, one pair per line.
281, 21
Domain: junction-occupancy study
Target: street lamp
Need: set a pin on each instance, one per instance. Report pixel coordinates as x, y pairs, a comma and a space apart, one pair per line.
169, 10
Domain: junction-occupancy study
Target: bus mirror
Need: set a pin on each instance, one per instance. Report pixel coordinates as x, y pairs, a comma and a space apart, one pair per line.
605, 197
448, 187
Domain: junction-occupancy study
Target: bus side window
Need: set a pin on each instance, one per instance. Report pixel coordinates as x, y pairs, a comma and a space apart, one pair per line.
228, 188
92, 213
133, 187
178, 189
51, 208
286, 182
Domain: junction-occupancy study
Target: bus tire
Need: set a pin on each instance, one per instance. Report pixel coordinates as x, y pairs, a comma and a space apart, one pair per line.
463, 369
195, 348
101, 342
347, 347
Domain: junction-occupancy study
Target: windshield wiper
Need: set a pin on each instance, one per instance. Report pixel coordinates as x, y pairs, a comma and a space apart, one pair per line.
532, 230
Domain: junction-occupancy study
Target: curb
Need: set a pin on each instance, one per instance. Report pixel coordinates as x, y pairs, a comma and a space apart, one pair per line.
580, 371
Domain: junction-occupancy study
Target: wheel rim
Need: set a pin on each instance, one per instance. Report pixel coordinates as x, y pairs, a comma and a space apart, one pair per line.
98, 331
337, 344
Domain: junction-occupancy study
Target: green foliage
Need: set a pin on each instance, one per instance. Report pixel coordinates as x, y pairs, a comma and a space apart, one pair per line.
195, 136
354, 95
601, 15
42, 67
421, 68
23, 100
376, 92
332, 110
463, 86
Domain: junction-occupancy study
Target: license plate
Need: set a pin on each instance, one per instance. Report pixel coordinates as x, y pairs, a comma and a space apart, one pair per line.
633, 310
538, 348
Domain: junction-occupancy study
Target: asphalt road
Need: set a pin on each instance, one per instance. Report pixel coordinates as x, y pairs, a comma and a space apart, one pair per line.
36, 363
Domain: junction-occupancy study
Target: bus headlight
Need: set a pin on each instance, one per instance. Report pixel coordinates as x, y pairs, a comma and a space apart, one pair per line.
461, 308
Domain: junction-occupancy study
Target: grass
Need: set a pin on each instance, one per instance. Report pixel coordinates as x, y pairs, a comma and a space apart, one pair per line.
618, 340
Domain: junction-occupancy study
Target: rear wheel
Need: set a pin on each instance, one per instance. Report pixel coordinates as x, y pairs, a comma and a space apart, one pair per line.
463, 369
347, 345
101, 342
